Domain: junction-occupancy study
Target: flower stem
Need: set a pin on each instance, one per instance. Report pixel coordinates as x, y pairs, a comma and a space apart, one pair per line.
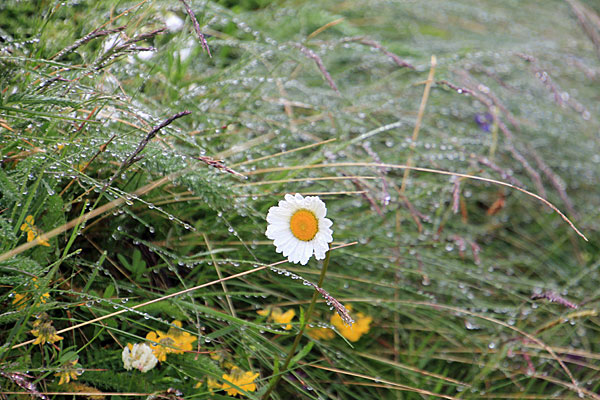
311, 308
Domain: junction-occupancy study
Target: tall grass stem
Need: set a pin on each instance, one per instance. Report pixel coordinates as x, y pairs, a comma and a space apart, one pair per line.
311, 308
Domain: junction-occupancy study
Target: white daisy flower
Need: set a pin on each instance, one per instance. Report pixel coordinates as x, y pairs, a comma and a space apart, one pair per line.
138, 356
299, 229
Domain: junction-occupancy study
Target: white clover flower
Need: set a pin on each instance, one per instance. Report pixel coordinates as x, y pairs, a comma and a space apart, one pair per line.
138, 356
299, 229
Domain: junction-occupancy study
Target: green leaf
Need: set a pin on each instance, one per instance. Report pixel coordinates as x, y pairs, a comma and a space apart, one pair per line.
301, 354
109, 291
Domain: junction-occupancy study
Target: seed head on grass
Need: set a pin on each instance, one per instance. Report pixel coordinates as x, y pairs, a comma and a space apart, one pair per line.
352, 332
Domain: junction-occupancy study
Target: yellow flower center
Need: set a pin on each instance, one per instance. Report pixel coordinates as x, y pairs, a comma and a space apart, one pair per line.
167, 342
304, 225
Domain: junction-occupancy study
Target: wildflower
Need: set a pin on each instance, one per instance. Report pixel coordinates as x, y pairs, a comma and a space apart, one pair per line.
33, 232
70, 370
484, 121
356, 330
44, 332
279, 317
212, 385
138, 356
320, 333
299, 229
242, 379
174, 341
20, 299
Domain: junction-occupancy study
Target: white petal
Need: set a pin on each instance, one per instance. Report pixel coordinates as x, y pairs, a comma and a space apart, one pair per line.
278, 228
300, 253
287, 206
280, 224
290, 249
325, 223
285, 241
320, 210
273, 232
324, 236
305, 252
320, 249
288, 197
283, 216
278, 212
296, 255
319, 255
311, 248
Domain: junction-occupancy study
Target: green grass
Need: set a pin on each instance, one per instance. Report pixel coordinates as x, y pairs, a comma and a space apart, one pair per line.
450, 293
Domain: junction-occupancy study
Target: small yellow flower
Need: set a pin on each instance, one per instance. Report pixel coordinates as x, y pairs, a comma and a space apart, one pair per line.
174, 341
44, 297
33, 232
29, 224
212, 385
160, 344
242, 379
277, 316
354, 332
320, 333
183, 339
70, 370
44, 332
20, 299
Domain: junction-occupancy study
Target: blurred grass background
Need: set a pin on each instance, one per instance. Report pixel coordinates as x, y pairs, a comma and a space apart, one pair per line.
448, 268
